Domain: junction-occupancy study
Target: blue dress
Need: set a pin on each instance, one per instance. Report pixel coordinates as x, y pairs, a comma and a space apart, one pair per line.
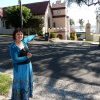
22, 73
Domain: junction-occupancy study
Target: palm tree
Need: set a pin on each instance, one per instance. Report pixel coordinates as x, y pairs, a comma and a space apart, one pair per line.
72, 22
81, 22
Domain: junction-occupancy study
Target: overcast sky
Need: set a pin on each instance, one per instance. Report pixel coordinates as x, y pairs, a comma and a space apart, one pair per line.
75, 12
84, 12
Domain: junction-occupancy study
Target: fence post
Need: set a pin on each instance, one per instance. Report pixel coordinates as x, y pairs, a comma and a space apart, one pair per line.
99, 41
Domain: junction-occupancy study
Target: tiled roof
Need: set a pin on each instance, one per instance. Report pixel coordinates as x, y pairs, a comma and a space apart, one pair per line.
38, 8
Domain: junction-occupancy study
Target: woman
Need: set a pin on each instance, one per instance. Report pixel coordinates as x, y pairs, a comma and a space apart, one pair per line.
22, 68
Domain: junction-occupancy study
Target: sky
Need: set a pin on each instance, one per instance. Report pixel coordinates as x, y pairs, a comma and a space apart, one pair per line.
74, 11
84, 12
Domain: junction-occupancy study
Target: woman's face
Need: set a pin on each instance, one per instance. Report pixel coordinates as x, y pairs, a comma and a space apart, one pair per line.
19, 36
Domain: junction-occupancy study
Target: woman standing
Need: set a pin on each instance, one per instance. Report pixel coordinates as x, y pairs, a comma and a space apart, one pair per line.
22, 68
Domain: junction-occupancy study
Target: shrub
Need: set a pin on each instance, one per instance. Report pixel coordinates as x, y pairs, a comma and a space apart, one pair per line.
73, 36
60, 36
52, 35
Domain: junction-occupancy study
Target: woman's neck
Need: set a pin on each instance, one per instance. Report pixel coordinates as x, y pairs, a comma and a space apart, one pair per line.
18, 42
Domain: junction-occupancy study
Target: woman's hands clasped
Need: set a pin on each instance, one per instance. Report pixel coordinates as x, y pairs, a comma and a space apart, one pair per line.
29, 55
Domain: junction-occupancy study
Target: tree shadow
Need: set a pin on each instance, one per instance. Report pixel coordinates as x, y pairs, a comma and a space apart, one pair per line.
68, 61
65, 61
74, 61
69, 95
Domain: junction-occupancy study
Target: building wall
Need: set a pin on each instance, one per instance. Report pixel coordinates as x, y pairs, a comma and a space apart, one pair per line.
47, 16
58, 4
59, 22
6, 31
58, 12
60, 18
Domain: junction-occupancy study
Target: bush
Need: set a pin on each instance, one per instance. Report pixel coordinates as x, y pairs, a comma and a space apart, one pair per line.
40, 34
73, 36
52, 35
59, 36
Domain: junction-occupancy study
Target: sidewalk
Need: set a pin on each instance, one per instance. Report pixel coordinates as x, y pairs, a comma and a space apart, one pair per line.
65, 41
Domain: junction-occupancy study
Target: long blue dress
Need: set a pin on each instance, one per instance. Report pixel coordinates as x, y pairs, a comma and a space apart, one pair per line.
22, 73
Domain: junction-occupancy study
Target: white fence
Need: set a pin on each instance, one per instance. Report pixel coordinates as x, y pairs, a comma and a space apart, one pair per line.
78, 29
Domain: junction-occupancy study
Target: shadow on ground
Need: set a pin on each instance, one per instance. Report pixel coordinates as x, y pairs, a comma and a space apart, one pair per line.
75, 61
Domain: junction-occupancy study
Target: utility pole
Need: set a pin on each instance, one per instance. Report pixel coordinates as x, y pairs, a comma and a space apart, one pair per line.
98, 22
21, 15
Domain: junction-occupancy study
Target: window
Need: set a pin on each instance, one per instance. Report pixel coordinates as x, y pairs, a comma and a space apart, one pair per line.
54, 24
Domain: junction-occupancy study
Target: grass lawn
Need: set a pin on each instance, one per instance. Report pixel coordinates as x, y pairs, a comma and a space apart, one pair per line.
5, 35
5, 83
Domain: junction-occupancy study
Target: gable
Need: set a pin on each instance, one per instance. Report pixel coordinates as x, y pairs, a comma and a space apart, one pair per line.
38, 8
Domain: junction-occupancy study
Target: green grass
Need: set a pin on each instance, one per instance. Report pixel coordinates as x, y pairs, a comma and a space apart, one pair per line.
5, 83
5, 35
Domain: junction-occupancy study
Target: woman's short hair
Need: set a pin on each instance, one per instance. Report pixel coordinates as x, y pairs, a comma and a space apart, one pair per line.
16, 31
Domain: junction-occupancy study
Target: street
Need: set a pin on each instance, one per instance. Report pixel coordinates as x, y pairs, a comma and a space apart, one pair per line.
70, 61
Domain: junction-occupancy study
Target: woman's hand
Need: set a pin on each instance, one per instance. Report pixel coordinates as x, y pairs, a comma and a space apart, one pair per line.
29, 55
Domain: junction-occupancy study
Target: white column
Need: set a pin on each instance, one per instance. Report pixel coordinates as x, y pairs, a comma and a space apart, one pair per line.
98, 20
98, 25
0, 22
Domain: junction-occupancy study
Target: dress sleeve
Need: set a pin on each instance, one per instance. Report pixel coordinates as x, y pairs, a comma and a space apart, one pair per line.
15, 57
29, 38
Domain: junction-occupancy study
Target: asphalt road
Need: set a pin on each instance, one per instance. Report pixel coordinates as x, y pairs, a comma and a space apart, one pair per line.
74, 63
78, 62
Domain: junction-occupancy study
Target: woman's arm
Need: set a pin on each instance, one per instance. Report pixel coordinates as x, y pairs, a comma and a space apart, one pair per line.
29, 38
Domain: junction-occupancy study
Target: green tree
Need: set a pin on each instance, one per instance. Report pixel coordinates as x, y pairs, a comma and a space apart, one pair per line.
72, 22
35, 23
86, 2
81, 22
31, 23
13, 15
